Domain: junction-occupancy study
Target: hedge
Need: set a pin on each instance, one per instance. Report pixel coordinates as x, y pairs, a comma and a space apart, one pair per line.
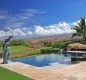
49, 50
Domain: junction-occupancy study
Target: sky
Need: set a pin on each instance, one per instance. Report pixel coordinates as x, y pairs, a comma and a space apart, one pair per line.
34, 18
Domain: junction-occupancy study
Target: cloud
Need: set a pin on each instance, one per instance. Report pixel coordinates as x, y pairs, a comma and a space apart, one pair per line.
26, 14
8, 20
3, 15
15, 32
31, 10
15, 25
77, 2
34, 11
18, 20
55, 29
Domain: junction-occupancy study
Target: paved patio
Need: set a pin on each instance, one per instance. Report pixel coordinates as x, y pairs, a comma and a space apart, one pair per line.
73, 72
30, 71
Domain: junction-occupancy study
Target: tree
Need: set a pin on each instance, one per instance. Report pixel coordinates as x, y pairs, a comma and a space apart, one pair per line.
80, 29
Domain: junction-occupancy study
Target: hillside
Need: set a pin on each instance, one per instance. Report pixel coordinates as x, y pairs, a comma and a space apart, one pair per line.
38, 41
49, 38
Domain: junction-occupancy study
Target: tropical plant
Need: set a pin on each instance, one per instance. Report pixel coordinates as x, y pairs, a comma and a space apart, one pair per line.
80, 29
47, 43
18, 43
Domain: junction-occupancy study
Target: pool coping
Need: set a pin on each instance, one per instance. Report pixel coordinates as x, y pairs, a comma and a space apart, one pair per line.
72, 71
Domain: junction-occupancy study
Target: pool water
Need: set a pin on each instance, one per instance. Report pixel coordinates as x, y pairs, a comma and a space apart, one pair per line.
44, 59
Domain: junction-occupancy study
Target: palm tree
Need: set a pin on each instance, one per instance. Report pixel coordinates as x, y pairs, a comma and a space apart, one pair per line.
80, 29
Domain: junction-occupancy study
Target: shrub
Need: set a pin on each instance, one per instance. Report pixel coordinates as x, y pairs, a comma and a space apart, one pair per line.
47, 43
55, 45
19, 42
49, 50
61, 44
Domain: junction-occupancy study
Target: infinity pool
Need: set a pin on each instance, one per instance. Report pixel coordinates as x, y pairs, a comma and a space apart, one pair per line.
44, 59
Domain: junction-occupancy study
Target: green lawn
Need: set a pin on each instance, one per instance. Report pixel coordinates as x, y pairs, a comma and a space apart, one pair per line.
20, 51
17, 49
0, 49
6, 74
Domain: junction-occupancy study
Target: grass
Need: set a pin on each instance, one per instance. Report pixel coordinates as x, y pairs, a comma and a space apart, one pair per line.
21, 51
17, 49
0, 49
6, 74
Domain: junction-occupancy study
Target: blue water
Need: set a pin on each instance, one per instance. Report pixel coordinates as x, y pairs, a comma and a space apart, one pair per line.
44, 60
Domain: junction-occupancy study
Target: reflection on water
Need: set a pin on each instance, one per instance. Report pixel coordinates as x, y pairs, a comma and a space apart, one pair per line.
44, 60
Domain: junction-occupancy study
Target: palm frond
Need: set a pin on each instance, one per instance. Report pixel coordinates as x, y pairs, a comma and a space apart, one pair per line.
77, 29
75, 34
79, 25
82, 21
80, 29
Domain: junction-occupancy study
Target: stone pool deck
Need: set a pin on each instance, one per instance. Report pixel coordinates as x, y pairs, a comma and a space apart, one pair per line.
72, 72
